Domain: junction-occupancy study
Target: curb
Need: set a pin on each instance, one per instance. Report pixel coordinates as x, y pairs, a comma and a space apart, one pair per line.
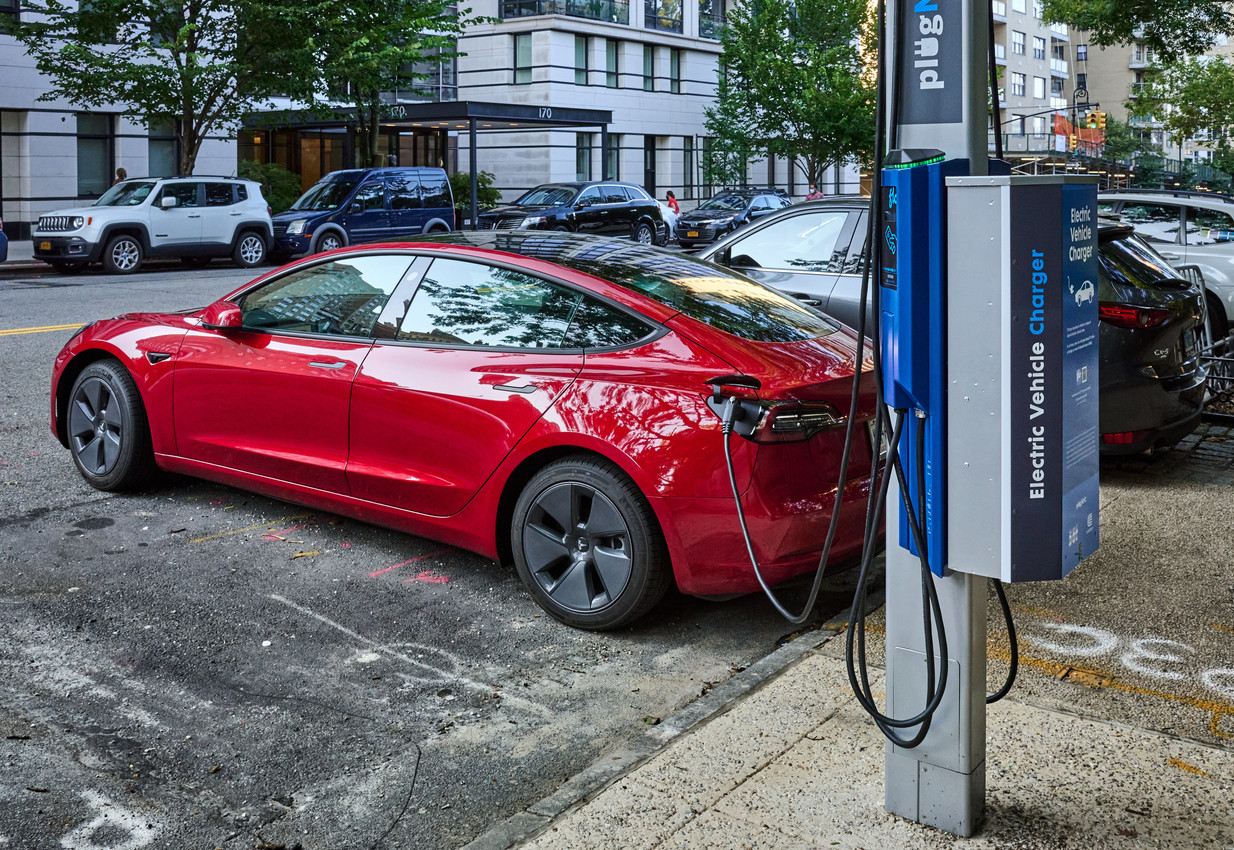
612, 766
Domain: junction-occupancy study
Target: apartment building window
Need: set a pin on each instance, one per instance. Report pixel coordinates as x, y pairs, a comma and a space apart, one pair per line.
1081, 53
649, 68
610, 64
1038, 47
1081, 81
1017, 6
522, 58
1056, 86
712, 15
11, 8
612, 158
1039, 88
1017, 43
674, 71
1038, 11
1017, 84
164, 158
687, 167
664, 15
95, 154
580, 60
582, 156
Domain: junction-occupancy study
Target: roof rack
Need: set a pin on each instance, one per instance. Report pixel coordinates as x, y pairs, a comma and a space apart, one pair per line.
1175, 193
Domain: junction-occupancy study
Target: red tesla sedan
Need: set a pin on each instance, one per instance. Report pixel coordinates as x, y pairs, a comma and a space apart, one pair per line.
540, 397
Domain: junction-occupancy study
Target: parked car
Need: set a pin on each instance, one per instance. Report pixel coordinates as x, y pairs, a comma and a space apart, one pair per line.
604, 208
193, 218
726, 211
365, 205
535, 397
1195, 228
1152, 381
4, 244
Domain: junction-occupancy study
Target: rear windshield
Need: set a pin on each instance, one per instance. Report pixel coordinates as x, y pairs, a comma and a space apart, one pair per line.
325, 195
1130, 261
712, 294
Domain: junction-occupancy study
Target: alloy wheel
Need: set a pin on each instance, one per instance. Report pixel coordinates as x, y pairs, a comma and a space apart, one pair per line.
125, 255
96, 426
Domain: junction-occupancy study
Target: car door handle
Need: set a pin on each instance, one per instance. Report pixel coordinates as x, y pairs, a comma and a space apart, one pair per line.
236, 213
510, 388
1170, 256
194, 215
337, 364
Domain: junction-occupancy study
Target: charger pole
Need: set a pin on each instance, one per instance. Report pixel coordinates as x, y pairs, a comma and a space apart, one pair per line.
941, 84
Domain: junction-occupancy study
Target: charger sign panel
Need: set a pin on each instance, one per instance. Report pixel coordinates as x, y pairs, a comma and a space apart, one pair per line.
1053, 388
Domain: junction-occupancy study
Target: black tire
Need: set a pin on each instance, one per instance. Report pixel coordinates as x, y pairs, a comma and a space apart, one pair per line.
561, 228
249, 250
195, 262
107, 428
1218, 325
644, 233
587, 544
68, 266
327, 241
123, 255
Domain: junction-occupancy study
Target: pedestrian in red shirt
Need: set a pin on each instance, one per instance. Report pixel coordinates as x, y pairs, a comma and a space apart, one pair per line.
672, 202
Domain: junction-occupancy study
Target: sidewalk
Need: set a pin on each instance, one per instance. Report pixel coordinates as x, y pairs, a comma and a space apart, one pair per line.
792, 763
21, 256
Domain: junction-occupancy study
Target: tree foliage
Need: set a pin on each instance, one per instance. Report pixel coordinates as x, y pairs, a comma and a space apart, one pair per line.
1172, 28
199, 65
1125, 142
794, 82
279, 186
367, 47
1190, 97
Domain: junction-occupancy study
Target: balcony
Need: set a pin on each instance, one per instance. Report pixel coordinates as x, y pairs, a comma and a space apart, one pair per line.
662, 15
999, 9
1141, 58
1000, 53
1060, 32
613, 11
1058, 67
1136, 89
711, 26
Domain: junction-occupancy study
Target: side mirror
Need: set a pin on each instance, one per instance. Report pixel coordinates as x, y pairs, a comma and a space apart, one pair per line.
167, 202
355, 208
582, 204
222, 316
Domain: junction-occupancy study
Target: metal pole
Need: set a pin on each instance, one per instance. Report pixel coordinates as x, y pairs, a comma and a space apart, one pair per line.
943, 90
475, 202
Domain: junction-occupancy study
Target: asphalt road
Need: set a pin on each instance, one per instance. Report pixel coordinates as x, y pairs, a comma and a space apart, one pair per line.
198, 667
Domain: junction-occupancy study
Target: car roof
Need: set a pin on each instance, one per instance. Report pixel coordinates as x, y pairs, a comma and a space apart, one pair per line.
1173, 195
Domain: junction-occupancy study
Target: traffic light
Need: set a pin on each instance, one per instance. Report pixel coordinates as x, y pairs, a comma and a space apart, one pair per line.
1073, 140
1100, 120
1092, 120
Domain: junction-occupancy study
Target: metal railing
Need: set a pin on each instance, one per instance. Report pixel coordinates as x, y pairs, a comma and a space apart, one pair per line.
711, 26
613, 11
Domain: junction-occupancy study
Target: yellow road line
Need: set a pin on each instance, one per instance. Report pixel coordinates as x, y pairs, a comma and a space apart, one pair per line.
1190, 768
270, 524
41, 330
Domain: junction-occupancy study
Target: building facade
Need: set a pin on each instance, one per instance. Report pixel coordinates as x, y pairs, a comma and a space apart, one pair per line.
1036, 60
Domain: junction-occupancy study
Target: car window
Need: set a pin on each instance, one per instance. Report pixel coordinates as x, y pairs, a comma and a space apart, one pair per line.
404, 191
637, 193
465, 303
184, 193
856, 245
1209, 227
242, 192
591, 193
1129, 261
724, 203
339, 297
806, 242
219, 195
1155, 222
613, 195
1106, 207
127, 194
371, 196
597, 325
435, 189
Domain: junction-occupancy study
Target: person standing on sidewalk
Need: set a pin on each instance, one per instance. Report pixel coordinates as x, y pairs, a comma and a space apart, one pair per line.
814, 194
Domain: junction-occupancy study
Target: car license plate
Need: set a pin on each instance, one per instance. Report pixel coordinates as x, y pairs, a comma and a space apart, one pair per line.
44, 246
1190, 345
692, 234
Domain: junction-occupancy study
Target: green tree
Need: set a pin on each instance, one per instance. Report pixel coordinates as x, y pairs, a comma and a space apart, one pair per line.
486, 195
367, 47
795, 82
1172, 28
1124, 142
198, 65
1189, 97
279, 186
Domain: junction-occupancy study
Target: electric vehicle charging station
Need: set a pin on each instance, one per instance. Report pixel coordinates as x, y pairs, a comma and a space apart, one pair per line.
991, 357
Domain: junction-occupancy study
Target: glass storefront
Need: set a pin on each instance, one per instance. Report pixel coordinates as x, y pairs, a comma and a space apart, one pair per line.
315, 152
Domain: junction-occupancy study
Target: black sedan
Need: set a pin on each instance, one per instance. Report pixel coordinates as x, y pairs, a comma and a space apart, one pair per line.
606, 208
1152, 381
725, 212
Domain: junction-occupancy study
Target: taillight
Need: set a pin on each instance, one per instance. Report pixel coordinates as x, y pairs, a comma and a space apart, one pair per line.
1124, 438
794, 421
1131, 316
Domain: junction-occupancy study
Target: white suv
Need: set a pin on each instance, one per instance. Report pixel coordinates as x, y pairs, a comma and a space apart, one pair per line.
1187, 228
193, 218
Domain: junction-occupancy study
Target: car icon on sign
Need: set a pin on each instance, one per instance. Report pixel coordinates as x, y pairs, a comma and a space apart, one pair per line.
1085, 292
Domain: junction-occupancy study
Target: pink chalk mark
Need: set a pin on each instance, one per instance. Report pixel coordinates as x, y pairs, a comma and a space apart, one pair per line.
409, 561
428, 576
345, 545
219, 501
34, 454
278, 535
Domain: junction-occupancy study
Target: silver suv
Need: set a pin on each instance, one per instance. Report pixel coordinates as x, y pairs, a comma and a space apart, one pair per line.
1195, 228
193, 218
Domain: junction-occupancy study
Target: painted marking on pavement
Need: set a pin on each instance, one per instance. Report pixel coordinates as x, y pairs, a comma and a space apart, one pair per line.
1221, 627
250, 528
1190, 768
376, 573
40, 330
112, 827
434, 674
428, 576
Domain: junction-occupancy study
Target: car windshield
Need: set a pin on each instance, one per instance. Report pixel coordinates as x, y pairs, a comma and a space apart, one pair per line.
724, 203
548, 196
325, 195
127, 194
712, 294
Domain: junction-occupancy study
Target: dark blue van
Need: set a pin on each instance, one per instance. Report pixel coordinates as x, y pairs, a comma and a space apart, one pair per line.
365, 205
